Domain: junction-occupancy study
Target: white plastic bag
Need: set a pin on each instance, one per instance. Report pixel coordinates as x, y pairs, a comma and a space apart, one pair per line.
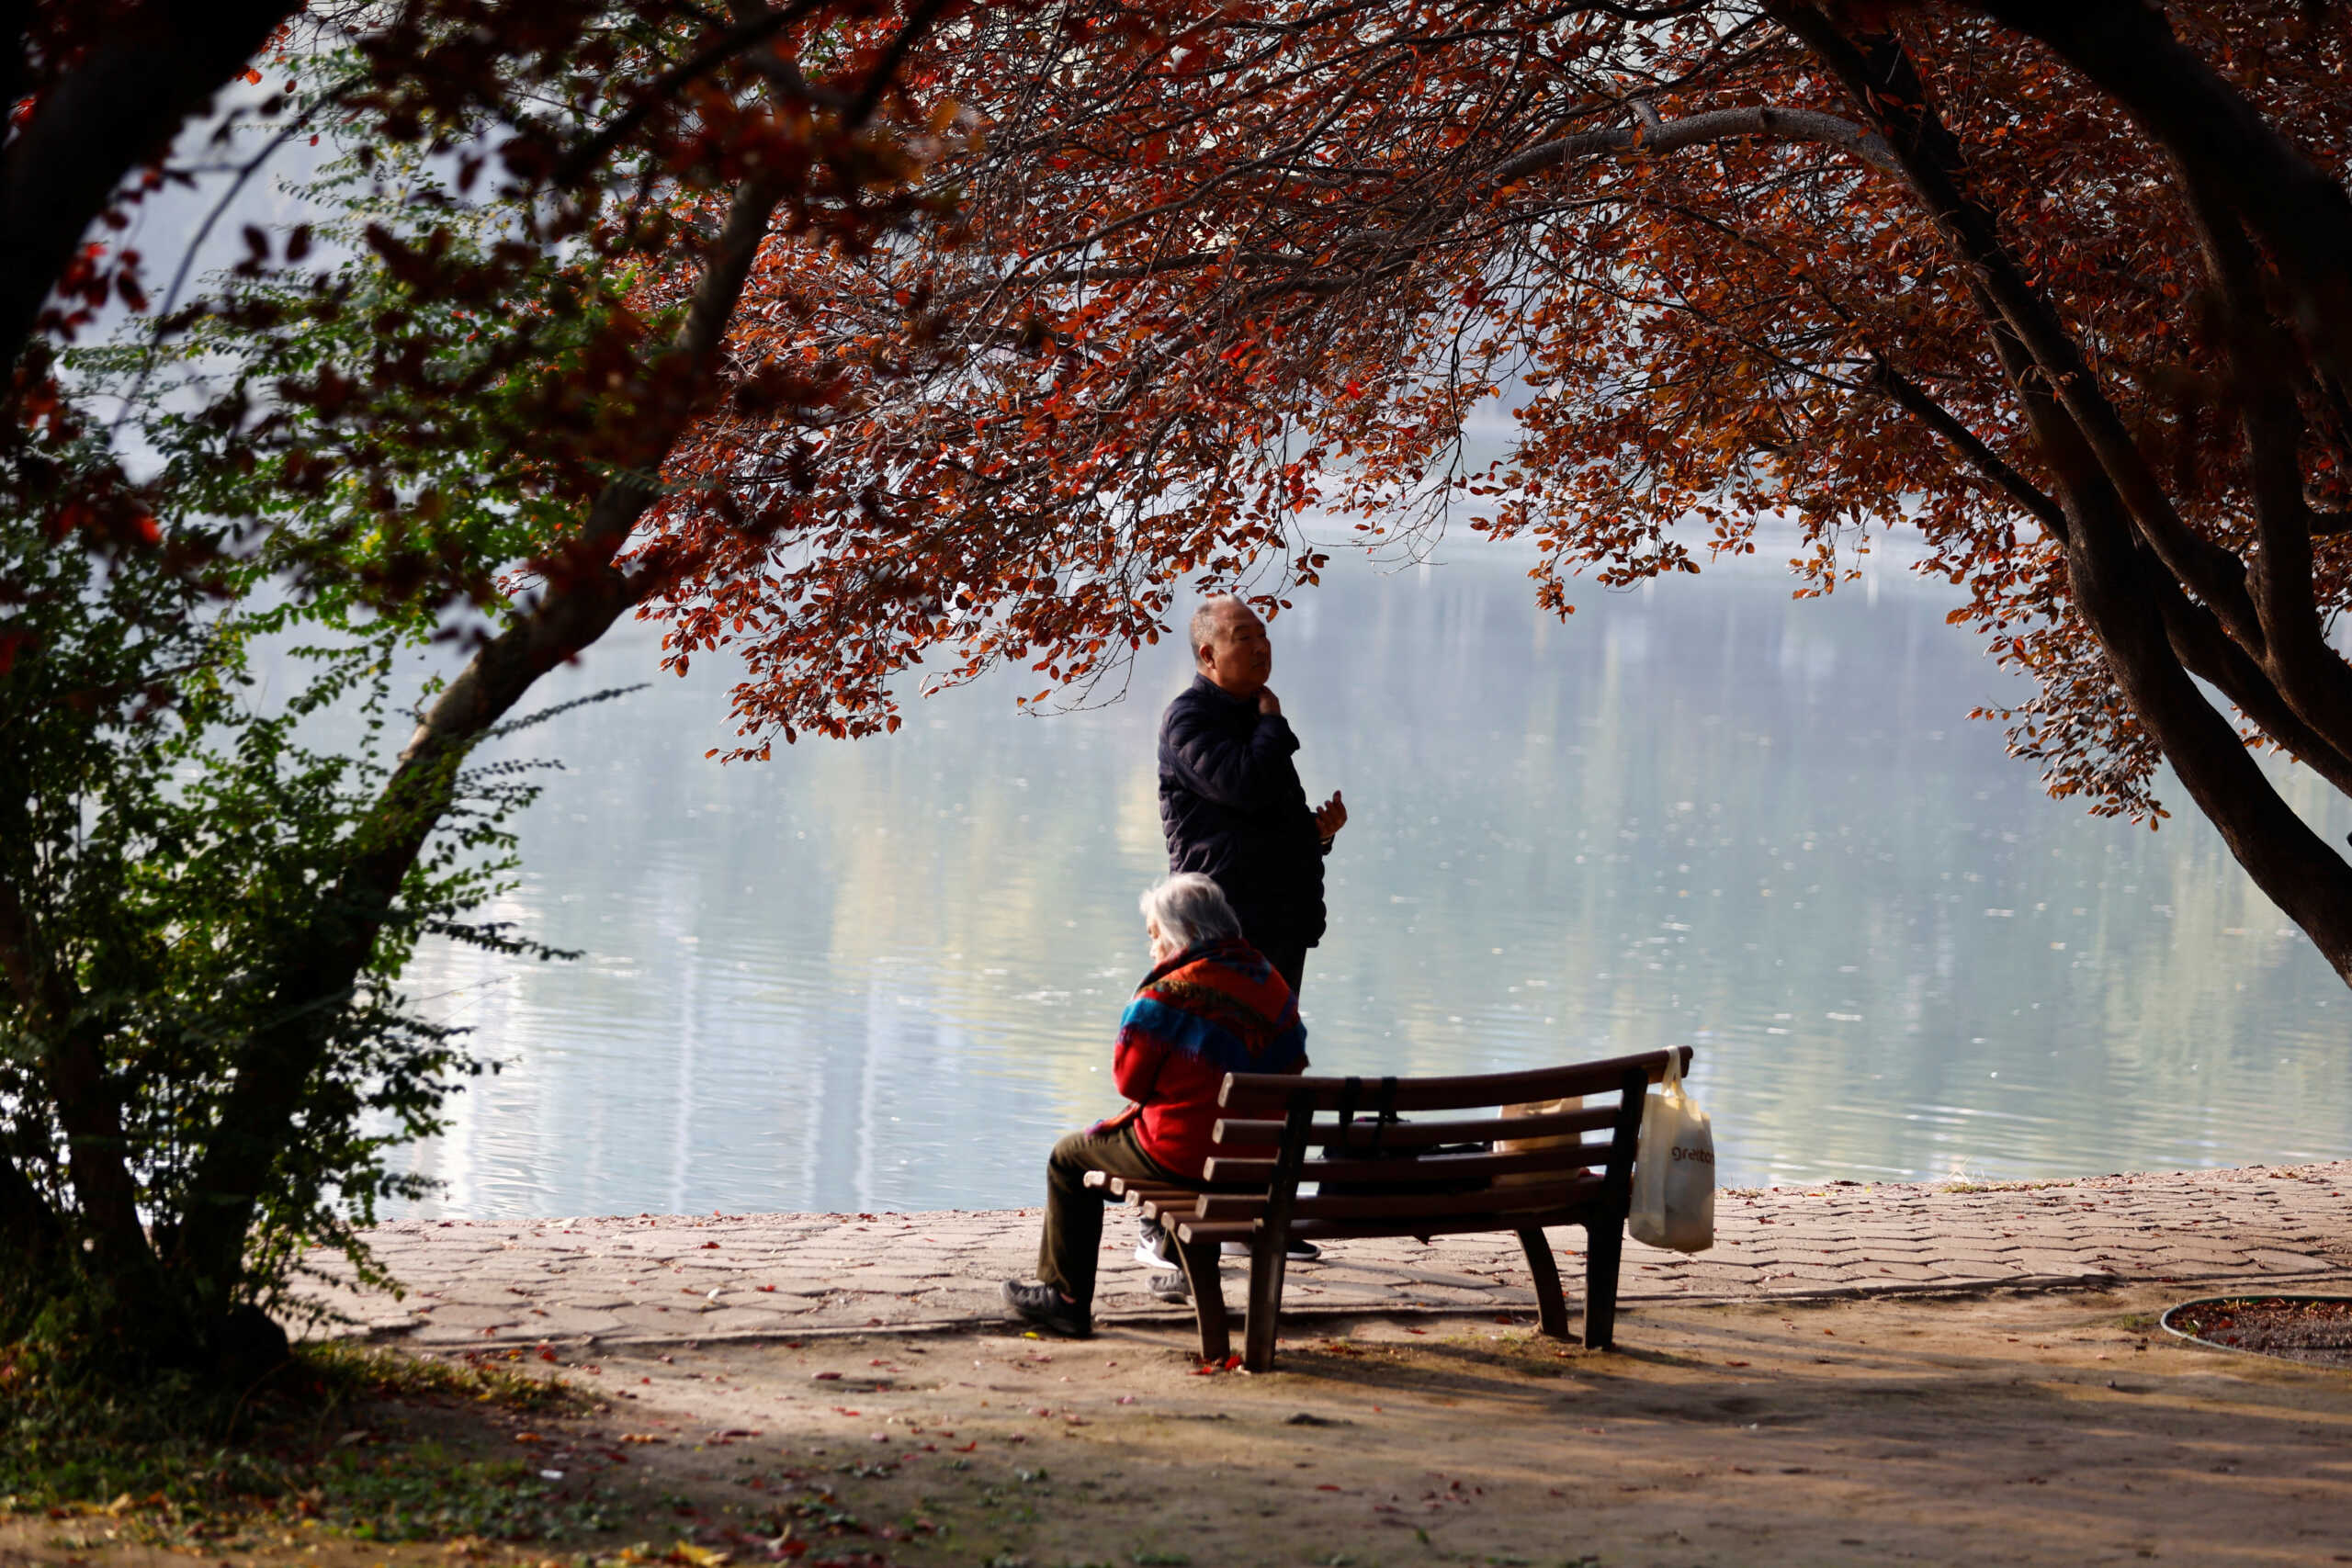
1674, 1169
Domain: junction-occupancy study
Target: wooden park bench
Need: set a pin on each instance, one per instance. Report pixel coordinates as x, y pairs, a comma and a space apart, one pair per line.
1326, 1165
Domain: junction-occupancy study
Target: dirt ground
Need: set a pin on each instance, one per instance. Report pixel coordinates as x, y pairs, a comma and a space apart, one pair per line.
2008, 1427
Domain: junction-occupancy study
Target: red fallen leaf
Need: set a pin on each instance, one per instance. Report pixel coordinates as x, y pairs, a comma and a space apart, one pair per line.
1502, 1317
1206, 1370
1325, 1486
825, 1377
708, 1247
1417, 1331
1231, 1362
769, 1288
967, 1448
1735, 1363
546, 1354
840, 1410
1039, 1410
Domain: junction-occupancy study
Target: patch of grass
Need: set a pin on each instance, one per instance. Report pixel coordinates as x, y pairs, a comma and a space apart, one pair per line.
176, 1462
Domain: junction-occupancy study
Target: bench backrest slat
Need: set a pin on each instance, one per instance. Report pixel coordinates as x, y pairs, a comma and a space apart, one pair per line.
1266, 1095
1497, 1201
1436, 1170
1324, 1133
1364, 1164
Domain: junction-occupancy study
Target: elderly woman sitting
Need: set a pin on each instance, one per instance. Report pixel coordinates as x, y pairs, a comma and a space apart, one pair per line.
1211, 1005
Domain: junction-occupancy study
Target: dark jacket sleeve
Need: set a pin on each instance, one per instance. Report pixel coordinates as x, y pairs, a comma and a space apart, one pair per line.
1246, 773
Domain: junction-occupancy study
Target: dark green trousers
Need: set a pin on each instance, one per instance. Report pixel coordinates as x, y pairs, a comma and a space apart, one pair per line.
1073, 1239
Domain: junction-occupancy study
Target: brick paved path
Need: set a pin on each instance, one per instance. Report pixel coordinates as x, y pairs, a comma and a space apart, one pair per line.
680, 1276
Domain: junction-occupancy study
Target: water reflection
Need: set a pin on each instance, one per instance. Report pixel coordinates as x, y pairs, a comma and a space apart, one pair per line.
884, 974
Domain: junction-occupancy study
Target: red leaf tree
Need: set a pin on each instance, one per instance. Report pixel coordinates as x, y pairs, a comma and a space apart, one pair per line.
2064, 289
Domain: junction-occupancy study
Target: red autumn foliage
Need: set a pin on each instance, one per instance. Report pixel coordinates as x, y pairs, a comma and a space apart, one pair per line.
2061, 288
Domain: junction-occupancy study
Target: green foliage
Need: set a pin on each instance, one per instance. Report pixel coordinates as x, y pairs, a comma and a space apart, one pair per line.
402, 425
180, 1461
198, 739
175, 838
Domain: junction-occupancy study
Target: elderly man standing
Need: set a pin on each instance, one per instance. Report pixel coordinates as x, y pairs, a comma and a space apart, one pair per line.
1234, 810
1211, 1005
1230, 798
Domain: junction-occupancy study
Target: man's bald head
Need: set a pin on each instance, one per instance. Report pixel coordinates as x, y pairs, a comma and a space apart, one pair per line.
1230, 647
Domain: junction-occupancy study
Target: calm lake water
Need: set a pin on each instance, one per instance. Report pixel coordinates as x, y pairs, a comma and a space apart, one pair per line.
884, 975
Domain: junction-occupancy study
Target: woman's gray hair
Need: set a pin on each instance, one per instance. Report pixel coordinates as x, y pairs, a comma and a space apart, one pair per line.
1190, 909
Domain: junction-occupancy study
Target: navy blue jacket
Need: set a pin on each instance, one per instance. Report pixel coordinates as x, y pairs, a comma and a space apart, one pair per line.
1233, 807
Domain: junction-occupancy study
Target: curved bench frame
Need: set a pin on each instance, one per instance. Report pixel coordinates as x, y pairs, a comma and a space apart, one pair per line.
1286, 1132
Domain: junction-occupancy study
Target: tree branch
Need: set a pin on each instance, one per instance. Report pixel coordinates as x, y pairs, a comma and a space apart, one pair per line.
1914, 401
1764, 122
2209, 653
151, 70
73, 1066
755, 24
2311, 676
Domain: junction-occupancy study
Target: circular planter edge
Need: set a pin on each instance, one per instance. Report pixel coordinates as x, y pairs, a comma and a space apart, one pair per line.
2164, 1320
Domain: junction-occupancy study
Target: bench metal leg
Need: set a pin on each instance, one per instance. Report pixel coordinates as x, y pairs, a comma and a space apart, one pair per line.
1208, 1298
1604, 1242
1551, 1302
1267, 1256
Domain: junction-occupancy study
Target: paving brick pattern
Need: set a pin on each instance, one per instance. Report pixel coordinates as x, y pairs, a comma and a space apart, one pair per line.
683, 1277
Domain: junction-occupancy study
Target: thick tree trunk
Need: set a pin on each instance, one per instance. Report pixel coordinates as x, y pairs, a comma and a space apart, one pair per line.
2128, 48
156, 68
587, 593
2117, 528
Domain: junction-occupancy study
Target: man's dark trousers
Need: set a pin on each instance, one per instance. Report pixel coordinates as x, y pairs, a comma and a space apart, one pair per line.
1289, 959
1073, 1239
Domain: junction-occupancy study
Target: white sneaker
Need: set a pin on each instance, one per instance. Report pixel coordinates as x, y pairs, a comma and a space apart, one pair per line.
1154, 1251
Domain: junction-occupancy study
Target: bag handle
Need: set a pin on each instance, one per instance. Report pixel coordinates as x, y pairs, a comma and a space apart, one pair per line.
1384, 1110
